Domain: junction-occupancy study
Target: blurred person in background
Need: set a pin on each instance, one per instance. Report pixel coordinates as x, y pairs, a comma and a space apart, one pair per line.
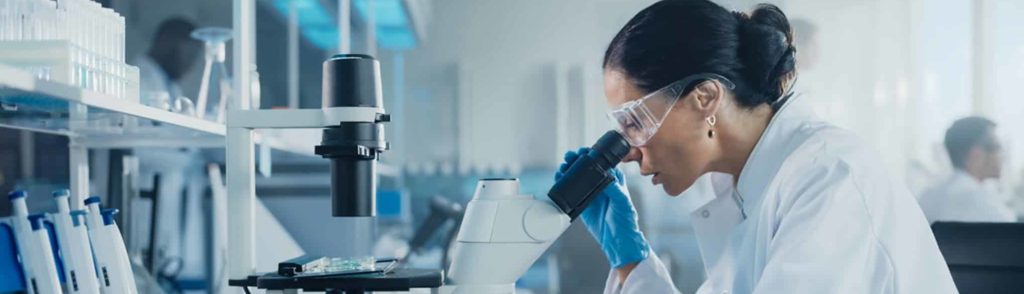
977, 157
171, 55
175, 174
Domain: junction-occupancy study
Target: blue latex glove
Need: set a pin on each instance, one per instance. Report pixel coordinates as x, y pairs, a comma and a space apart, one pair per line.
611, 219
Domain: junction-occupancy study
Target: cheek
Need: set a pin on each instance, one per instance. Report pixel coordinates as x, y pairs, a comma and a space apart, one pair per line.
679, 165
680, 159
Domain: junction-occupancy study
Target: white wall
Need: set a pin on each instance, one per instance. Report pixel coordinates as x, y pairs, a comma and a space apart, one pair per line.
1007, 72
505, 53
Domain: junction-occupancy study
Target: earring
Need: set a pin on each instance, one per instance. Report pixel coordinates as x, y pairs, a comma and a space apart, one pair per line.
711, 122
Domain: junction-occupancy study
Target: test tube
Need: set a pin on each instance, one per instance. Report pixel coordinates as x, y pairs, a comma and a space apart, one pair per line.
30, 21
122, 70
18, 20
3, 19
4, 16
95, 17
26, 20
108, 55
38, 10
120, 38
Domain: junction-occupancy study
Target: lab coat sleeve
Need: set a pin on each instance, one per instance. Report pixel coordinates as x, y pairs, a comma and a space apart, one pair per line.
650, 276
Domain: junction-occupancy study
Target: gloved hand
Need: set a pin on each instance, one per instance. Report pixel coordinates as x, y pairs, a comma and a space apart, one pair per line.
611, 218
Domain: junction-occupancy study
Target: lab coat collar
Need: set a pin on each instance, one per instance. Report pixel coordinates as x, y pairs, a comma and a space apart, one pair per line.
964, 180
960, 175
779, 139
147, 64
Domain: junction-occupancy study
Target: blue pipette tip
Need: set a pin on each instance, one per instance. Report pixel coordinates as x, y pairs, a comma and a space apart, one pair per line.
36, 220
108, 215
78, 217
61, 193
17, 194
91, 200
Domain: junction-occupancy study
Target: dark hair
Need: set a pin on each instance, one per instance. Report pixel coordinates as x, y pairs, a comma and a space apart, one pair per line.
175, 29
173, 48
672, 39
963, 135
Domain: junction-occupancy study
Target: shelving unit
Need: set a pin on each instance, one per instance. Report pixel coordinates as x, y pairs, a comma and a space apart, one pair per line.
58, 108
93, 120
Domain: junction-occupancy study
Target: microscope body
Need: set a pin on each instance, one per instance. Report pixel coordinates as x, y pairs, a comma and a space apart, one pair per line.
504, 232
502, 235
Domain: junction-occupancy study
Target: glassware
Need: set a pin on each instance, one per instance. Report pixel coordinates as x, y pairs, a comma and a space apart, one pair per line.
214, 39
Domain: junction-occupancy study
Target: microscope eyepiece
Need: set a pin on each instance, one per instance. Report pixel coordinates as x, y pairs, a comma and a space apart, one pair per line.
589, 174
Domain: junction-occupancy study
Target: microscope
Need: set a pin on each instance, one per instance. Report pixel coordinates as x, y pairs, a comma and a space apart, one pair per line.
352, 122
503, 231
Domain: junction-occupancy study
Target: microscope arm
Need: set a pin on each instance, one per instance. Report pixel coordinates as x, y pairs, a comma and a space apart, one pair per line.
502, 235
503, 232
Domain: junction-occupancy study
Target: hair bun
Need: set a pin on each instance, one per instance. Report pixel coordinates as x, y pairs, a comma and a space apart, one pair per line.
766, 51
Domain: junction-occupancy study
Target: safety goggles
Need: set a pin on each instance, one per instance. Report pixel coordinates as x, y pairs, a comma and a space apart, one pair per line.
638, 120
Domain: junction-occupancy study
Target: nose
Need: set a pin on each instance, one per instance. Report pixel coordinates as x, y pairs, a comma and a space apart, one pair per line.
633, 155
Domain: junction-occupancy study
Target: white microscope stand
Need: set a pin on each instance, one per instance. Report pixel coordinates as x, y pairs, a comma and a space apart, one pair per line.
240, 165
502, 235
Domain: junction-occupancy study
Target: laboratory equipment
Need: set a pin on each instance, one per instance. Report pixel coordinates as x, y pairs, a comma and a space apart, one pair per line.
589, 174
48, 277
77, 42
352, 118
33, 241
214, 40
504, 232
353, 80
381, 279
323, 266
75, 250
112, 265
347, 275
11, 276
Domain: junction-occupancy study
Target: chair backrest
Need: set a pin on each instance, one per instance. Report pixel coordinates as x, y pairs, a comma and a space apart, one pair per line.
983, 257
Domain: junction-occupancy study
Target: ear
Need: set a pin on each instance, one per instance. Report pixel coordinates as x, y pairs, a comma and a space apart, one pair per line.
975, 155
708, 96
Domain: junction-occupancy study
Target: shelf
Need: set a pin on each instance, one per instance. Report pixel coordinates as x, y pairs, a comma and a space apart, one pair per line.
96, 120
59, 108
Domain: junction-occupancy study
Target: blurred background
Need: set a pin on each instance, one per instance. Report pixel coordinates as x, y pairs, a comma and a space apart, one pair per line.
503, 88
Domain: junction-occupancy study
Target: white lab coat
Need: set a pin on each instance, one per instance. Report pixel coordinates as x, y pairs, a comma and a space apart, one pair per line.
961, 198
813, 212
154, 82
179, 169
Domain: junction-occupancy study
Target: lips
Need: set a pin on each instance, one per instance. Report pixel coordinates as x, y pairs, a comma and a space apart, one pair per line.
655, 180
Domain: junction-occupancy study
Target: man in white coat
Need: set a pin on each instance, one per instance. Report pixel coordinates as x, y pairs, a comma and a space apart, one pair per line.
976, 155
801, 206
170, 56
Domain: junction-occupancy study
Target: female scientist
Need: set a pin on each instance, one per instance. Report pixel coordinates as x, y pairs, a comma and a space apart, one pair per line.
801, 206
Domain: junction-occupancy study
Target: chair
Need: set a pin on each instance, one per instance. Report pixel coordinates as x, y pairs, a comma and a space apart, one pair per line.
983, 257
